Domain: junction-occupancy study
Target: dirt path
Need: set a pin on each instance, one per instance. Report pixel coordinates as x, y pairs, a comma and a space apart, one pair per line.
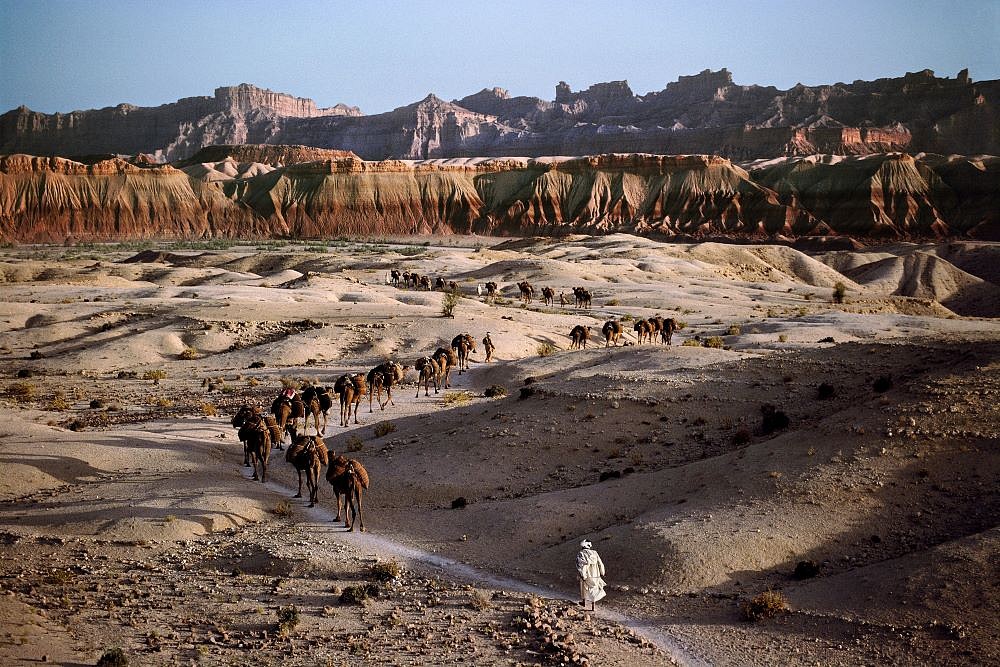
384, 547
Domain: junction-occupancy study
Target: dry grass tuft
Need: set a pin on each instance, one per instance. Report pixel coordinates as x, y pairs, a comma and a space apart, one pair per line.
209, 409
385, 570
355, 444
764, 605
480, 600
384, 428
545, 349
188, 353
23, 391
457, 398
283, 508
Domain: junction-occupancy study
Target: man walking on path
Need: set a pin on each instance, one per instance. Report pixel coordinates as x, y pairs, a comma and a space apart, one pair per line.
591, 570
488, 346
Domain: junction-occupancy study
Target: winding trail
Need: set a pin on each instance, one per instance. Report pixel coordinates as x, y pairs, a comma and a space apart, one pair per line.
323, 523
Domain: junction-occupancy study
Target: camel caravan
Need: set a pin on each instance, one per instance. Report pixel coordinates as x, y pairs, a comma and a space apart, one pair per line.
293, 412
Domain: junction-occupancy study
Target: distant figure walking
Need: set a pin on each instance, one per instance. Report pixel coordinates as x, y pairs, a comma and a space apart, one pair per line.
488, 346
591, 570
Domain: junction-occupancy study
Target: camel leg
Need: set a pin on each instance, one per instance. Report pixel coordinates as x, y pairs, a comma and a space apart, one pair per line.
299, 493
356, 406
360, 517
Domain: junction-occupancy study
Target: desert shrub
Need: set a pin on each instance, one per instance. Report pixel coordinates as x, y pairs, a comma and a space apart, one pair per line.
609, 474
680, 324
459, 503
283, 508
806, 569
385, 570
355, 444
626, 318
25, 373
783, 338
359, 594
155, 375
35, 354
288, 619
448, 304
526, 392
742, 436
495, 391
611, 302
113, 657
480, 600
714, 342
58, 404
384, 428
764, 605
545, 349
456, 398
256, 364
188, 353
772, 419
825, 391
252, 382
162, 402
733, 330
289, 383
96, 404
839, 292
209, 409
828, 339
882, 384
691, 342
22, 390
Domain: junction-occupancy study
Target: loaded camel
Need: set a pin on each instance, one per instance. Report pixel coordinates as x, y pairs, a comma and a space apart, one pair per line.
348, 478
255, 432
612, 331
548, 295
317, 403
663, 326
251, 413
445, 360
643, 331
350, 387
527, 291
394, 277
464, 345
384, 376
427, 368
582, 296
579, 335
288, 408
491, 292
308, 454
425, 283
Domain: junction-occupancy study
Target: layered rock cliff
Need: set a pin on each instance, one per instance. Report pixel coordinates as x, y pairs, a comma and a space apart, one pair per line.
702, 114
888, 196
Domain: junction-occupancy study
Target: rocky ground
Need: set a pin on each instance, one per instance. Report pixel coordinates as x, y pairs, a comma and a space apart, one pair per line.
859, 438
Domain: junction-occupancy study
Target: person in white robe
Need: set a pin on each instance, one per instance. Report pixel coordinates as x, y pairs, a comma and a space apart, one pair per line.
590, 567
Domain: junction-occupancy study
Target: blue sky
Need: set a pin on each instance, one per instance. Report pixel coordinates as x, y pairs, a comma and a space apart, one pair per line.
61, 55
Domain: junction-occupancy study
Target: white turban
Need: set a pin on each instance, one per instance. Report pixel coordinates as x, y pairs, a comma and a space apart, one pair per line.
586, 544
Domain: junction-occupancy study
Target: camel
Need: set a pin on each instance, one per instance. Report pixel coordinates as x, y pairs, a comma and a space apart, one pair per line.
384, 376
643, 331
667, 332
308, 454
394, 277
464, 345
425, 283
317, 401
548, 295
655, 328
288, 410
527, 291
445, 360
427, 368
612, 331
491, 292
348, 478
351, 387
582, 296
255, 432
452, 286
439, 283
580, 335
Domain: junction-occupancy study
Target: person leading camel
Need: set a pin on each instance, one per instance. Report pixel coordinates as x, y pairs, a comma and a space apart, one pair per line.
590, 569
488, 346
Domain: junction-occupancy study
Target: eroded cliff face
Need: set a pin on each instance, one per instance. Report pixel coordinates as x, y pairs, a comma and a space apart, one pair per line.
54, 200
702, 114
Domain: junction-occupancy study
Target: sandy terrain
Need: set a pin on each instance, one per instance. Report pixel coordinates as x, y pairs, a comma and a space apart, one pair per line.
128, 520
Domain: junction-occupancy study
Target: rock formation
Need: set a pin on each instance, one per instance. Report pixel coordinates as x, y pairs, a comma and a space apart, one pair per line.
887, 196
702, 114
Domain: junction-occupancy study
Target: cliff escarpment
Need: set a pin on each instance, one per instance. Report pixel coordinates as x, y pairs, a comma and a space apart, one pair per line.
706, 113
55, 200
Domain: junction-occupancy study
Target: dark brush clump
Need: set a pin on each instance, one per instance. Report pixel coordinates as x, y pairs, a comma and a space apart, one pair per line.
882, 384
825, 391
772, 419
806, 569
526, 392
459, 503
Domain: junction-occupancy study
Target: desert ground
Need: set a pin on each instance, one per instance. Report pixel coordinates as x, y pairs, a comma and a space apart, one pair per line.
780, 427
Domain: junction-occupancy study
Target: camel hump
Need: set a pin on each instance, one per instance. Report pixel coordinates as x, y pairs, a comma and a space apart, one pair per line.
324, 453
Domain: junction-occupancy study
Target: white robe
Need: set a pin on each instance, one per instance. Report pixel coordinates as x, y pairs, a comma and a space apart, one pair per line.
591, 570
